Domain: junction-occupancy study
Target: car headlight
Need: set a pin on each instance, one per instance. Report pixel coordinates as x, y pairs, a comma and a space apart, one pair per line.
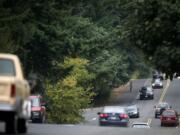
135, 112
160, 84
153, 84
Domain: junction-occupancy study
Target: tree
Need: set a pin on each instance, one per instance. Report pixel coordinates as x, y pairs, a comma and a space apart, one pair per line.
69, 96
154, 27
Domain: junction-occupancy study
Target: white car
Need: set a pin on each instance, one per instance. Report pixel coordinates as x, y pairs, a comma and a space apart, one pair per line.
157, 83
140, 125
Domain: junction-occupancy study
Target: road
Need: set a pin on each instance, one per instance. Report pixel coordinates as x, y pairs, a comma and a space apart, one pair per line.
170, 93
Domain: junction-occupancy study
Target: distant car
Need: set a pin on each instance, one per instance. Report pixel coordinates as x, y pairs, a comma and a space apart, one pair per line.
157, 83
133, 111
146, 92
160, 108
38, 109
158, 75
169, 117
114, 115
140, 125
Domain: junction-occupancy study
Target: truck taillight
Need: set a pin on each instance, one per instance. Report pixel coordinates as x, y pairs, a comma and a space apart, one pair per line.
13, 90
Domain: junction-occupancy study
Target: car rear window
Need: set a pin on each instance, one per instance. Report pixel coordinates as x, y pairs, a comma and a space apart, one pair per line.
140, 126
35, 102
168, 113
114, 110
7, 67
163, 105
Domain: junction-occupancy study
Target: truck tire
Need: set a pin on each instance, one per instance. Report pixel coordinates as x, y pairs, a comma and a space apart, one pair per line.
21, 126
11, 126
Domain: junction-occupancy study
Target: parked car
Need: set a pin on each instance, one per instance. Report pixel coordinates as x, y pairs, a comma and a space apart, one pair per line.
113, 115
160, 108
157, 84
146, 92
133, 111
38, 109
15, 108
140, 125
169, 117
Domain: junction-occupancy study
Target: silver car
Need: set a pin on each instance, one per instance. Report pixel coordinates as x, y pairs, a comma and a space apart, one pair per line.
133, 111
114, 115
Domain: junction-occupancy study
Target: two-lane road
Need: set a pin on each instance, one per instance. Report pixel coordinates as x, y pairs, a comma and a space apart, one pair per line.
170, 94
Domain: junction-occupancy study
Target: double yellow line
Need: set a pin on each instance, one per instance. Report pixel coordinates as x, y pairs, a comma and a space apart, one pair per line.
164, 91
161, 98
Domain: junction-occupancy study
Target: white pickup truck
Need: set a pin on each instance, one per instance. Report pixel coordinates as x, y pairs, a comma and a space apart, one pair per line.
15, 107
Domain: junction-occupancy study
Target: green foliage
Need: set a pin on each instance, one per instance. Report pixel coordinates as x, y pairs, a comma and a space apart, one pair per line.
78, 46
68, 97
154, 27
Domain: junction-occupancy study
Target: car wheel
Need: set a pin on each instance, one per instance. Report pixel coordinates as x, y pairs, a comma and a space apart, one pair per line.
21, 126
42, 119
11, 126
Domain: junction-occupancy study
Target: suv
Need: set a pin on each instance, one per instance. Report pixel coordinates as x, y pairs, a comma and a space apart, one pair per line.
146, 92
15, 108
38, 109
157, 83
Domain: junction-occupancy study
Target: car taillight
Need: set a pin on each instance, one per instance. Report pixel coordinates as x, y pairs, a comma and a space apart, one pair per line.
123, 116
173, 118
13, 90
163, 118
103, 115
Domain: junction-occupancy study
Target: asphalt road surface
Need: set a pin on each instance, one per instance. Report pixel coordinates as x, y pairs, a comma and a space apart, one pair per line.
170, 93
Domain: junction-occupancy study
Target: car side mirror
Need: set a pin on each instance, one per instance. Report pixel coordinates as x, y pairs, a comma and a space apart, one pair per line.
98, 113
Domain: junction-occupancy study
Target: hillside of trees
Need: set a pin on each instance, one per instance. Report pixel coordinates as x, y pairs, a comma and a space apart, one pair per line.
81, 50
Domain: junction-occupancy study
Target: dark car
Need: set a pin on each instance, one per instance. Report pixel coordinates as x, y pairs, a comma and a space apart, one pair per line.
113, 115
160, 108
133, 111
158, 76
157, 84
38, 109
169, 117
146, 92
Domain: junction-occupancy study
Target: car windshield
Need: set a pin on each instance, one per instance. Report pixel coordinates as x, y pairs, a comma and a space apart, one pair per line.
149, 89
131, 109
35, 102
168, 113
163, 105
114, 110
157, 81
7, 67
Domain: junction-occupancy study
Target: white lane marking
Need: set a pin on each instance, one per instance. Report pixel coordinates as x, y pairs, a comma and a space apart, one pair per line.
164, 91
146, 82
149, 121
94, 119
68, 125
